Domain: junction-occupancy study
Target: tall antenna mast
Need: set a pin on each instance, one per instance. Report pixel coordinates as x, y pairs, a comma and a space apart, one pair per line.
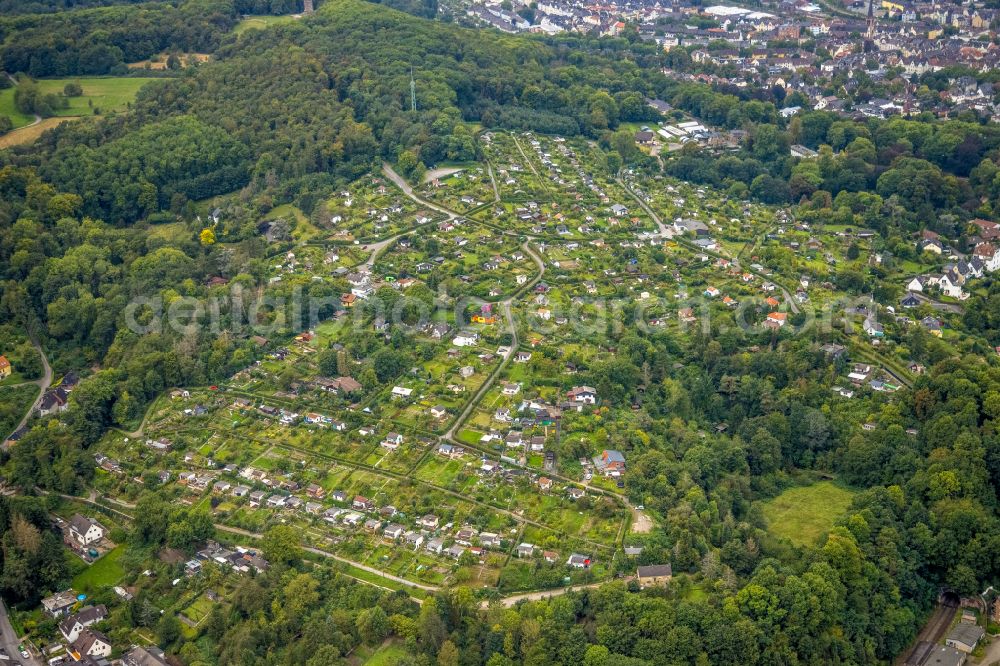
413, 92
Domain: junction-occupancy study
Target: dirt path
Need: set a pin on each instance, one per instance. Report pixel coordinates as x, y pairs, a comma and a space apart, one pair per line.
641, 523
514, 599
649, 211
441, 172
391, 174
136, 434
493, 180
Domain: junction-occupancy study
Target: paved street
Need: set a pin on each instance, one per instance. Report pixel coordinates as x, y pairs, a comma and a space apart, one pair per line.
9, 640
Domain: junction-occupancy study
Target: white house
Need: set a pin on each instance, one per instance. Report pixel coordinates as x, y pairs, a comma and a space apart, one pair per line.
392, 441
465, 339
85, 531
990, 255
92, 643
584, 394
73, 626
511, 388
949, 288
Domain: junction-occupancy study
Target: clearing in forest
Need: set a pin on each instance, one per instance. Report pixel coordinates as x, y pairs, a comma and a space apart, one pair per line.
805, 513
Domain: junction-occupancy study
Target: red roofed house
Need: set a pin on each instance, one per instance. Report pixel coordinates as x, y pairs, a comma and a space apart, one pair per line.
990, 255
776, 319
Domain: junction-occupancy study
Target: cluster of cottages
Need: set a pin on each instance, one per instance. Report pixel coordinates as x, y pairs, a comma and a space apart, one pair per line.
461, 243
615, 215
425, 534
380, 217
82, 642
473, 176
863, 374
951, 281
363, 284
454, 543
361, 512
239, 559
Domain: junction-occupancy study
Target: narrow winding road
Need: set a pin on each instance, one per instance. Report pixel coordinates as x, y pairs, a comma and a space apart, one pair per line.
391, 174
37, 119
43, 386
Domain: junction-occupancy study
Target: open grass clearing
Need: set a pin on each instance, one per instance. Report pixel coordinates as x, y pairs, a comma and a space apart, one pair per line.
107, 93
805, 513
261, 22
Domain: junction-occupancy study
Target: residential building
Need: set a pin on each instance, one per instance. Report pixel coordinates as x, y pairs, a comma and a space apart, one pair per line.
610, 462
73, 626
92, 644
58, 604
144, 656
85, 531
964, 637
655, 575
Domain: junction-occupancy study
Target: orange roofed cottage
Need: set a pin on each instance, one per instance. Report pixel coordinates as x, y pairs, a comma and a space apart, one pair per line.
5, 367
610, 462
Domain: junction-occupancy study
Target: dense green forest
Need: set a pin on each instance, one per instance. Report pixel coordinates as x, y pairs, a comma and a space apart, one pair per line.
103, 39
10, 7
286, 114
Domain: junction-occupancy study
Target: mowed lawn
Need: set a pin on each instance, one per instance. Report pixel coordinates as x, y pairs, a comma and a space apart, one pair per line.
804, 514
109, 94
102, 574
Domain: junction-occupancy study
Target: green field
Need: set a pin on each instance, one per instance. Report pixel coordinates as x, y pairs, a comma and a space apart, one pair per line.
804, 514
103, 573
109, 94
260, 22
7, 109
